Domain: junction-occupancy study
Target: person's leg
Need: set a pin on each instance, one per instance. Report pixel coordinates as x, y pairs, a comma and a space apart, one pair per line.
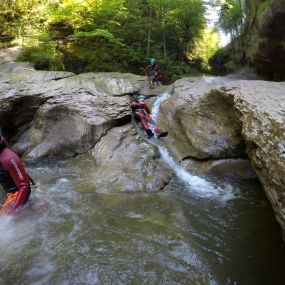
144, 121
137, 116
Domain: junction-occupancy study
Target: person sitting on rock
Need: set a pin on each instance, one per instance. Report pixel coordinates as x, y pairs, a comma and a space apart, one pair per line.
13, 179
141, 114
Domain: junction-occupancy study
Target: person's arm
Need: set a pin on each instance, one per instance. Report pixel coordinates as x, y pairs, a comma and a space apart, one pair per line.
133, 105
16, 170
146, 108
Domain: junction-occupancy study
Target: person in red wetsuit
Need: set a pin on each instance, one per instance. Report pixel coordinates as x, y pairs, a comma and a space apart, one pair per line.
152, 71
141, 114
13, 179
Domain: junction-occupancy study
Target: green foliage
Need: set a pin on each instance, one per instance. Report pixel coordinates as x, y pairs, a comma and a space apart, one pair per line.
262, 7
18, 17
232, 16
99, 35
111, 35
236, 15
204, 48
44, 56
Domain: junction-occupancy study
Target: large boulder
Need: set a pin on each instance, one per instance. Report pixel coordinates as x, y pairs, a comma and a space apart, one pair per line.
202, 121
124, 162
254, 109
21, 94
267, 53
61, 114
262, 105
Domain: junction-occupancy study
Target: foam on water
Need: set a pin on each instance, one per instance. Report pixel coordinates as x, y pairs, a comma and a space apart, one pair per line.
16, 233
198, 185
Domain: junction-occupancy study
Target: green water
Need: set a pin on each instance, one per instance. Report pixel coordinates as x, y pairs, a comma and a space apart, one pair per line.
72, 233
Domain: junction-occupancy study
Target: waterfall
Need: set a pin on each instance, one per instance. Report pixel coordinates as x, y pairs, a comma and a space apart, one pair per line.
195, 184
157, 103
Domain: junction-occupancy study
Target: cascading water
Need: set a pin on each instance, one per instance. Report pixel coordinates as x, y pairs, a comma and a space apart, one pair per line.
72, 233
196, 184
155, 107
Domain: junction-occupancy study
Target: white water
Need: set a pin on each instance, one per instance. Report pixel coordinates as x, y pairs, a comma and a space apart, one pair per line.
15, 233
164, 96
195, 184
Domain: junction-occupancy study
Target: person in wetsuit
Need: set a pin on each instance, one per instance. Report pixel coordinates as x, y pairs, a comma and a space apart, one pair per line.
141, 114
152, 70
13, 179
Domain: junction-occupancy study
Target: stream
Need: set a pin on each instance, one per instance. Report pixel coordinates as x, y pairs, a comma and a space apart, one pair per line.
200, 230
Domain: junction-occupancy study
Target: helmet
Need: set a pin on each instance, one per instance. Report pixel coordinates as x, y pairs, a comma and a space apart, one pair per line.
141, 97
152, 60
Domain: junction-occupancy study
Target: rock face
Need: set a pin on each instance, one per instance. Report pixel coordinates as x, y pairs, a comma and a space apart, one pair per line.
261, 46
268, 58
256, 110
127, 163
60, 114
202, 122
263, 107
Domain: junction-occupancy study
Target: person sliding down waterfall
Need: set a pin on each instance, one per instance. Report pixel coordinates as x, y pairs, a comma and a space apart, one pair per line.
152, 72
141, 114
13, 178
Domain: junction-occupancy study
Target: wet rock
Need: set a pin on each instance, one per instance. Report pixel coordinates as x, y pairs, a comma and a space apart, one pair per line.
238, 167
262, 106
124, 162
16, 67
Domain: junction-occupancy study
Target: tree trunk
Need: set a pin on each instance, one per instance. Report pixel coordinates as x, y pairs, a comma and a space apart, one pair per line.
149, 32
164, 44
